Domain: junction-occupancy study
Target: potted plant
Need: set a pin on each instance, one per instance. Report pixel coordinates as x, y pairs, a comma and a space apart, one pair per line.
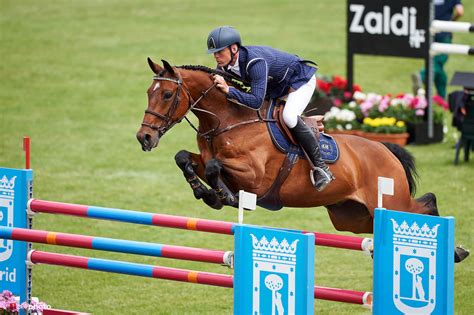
408, 108
385, 129
418, 127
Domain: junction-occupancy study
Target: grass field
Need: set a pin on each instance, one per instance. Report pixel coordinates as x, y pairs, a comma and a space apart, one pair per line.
74, 77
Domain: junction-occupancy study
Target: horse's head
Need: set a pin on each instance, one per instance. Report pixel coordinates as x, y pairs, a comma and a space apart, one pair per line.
166, 107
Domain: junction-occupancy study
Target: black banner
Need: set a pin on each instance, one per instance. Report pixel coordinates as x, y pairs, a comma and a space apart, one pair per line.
388, 28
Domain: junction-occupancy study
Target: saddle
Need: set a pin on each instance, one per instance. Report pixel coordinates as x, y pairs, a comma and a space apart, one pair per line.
314, 122
284, 141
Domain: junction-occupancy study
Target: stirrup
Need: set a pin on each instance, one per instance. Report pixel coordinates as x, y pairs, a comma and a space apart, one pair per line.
324, 180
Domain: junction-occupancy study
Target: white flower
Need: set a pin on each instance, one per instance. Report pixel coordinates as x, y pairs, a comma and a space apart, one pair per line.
346, 115
348, 127
359, 96
333, 113
421, 91
339, 127
396, 101
352, 104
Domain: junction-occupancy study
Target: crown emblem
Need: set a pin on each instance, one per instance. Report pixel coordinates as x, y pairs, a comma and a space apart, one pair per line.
7, 184
414, 230
274, 246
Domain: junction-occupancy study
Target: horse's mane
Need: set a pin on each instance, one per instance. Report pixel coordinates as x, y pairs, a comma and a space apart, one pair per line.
235, 81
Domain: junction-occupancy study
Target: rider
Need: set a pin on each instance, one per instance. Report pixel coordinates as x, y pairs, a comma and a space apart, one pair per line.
272, 73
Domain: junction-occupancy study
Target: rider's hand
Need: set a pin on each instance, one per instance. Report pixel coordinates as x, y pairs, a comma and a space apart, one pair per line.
221, 84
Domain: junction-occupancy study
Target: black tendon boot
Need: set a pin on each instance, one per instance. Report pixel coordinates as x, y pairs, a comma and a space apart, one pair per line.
320, 175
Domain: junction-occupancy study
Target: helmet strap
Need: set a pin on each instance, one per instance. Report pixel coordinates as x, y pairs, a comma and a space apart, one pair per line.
232, 55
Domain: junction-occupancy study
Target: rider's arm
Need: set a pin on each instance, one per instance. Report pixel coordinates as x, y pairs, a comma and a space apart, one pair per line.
258, 72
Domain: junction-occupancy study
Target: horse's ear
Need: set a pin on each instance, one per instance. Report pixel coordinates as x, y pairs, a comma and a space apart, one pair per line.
154, 67
168, 67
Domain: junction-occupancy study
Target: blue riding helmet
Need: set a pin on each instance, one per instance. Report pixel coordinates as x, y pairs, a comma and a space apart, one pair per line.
222, 37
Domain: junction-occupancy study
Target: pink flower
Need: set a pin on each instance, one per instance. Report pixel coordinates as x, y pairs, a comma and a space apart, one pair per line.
422, 103
384, 103
374, 98
336, 102
408, 100
420, 112
440, 101
365, 107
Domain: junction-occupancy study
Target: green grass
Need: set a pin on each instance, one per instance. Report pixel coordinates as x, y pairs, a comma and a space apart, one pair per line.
74, 76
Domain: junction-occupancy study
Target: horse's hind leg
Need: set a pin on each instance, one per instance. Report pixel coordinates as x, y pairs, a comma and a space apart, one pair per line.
428, 203
213, 176
193, 168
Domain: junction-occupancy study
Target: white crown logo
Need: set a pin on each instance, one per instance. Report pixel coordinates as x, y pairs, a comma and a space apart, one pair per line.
274, 245
7, 184
414, 230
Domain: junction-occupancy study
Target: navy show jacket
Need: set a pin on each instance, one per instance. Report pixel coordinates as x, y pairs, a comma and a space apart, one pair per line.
271, 72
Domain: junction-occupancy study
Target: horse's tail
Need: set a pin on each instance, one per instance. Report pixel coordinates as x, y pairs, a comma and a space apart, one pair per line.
408, 162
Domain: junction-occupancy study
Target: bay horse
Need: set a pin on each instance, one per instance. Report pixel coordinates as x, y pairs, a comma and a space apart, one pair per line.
237, 153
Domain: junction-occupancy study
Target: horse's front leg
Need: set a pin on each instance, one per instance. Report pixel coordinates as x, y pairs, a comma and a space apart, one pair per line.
213, 176
193, 168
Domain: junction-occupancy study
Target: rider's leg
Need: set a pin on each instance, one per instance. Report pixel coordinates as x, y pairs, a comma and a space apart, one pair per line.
295, 105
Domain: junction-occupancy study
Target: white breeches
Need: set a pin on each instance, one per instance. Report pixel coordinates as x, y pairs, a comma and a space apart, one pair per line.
297, 102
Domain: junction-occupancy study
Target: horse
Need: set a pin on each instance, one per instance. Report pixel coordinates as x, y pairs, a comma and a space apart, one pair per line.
237, 153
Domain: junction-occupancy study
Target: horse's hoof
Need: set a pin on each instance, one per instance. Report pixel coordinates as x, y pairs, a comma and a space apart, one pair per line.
460, 254
200, 191
211, 199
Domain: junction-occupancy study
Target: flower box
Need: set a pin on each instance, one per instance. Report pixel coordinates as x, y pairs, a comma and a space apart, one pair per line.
419, 133
397, 138
344, 132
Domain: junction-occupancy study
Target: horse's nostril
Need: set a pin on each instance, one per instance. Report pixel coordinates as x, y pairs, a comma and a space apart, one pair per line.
147, 138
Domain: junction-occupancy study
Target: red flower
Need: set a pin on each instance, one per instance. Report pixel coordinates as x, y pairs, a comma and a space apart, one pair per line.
401, 95
12, 306
356, 88
324, 86
339, 82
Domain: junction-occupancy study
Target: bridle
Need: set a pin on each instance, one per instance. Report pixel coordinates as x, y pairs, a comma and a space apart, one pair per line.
169, 123
167, 118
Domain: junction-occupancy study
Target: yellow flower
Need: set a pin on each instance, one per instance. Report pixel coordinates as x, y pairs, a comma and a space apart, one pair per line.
400, 123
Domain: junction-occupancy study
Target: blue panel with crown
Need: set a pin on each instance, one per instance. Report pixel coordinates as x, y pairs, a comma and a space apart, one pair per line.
413, 263
274, 271
15, 190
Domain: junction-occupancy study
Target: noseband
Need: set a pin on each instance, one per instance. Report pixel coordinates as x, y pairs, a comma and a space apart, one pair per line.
174, 106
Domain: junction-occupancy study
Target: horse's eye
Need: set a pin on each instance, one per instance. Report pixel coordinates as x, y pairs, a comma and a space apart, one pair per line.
167, 95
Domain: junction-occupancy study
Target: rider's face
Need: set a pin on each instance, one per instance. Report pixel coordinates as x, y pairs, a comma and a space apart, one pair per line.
224, 56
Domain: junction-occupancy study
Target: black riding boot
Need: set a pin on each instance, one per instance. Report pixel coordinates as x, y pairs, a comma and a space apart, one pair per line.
320, 175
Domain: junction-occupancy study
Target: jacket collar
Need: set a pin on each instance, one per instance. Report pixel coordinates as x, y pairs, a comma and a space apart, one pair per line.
243, 54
